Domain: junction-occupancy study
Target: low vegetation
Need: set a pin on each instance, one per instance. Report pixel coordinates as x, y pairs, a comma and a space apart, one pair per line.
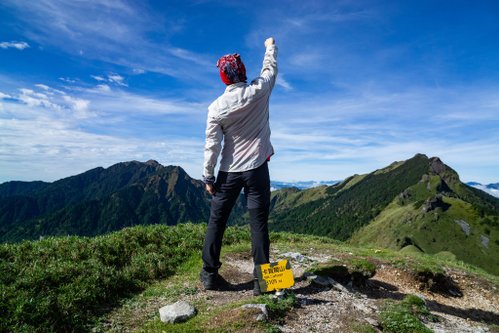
61, 283
405, 316
67, 283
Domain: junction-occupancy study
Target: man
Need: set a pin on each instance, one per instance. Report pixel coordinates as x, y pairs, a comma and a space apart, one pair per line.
239, 117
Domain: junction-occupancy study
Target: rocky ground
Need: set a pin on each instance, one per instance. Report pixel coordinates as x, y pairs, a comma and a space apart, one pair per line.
331, 309
324, 309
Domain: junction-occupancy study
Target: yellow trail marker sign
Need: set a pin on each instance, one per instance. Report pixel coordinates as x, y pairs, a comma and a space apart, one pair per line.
275, 276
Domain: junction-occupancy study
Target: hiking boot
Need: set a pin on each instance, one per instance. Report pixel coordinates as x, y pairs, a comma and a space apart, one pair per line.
256, 288
214, 281
208, 279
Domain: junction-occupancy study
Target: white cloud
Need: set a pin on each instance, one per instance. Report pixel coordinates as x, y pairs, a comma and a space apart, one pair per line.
67, 80
54, 100
130, 104
334, 137
79, 106
106, 30
98, 78
282, 82
309, 59
110, 78
42, 86
2, 95
14, 45
32, 98
116, 78
47, 149
320, 136
59, 135
103, 88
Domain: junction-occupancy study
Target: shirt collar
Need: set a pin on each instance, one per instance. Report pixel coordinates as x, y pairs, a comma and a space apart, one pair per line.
234, 86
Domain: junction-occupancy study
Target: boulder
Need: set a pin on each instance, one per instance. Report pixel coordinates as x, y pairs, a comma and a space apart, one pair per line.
434, 203
464, 226
177, 312
264, 313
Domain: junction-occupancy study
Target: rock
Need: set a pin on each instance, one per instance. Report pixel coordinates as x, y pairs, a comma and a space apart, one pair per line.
294, 255
307, 275
177, 312
326, 281
319, 280
372, 321
437, 166
336, 285
264, 315
485, 241
362, 307
434, 203
465, 226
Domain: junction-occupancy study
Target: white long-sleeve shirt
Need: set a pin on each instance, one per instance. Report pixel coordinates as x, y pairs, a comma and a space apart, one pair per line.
240, 117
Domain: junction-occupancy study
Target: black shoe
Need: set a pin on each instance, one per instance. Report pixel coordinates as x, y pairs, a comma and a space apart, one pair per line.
256, 288
208, 279
214, 281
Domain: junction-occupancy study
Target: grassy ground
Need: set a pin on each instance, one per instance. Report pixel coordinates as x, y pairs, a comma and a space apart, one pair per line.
117, 282
228, 316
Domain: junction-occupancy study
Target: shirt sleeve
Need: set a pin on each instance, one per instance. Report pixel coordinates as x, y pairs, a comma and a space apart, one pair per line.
213, 145
266, 81
269, 68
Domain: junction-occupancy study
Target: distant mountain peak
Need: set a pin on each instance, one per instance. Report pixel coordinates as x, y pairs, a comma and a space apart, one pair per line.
420, 155
449, 175
437, 166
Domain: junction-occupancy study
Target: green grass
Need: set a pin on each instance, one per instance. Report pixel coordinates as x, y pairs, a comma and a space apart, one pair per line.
405, 316
64, 283
228, 318
277, 307
362, 328
67, 283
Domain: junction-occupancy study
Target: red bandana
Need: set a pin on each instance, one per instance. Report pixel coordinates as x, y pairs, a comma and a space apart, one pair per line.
232, 69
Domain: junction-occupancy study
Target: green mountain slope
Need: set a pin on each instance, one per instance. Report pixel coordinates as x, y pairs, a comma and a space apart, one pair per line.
100, 201
435, 216
340, 210
419, 203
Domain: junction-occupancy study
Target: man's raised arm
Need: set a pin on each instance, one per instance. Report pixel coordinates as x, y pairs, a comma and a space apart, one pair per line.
269, 68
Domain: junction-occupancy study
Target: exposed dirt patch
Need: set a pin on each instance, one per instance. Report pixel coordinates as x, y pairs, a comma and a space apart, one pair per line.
478, 303
238, 320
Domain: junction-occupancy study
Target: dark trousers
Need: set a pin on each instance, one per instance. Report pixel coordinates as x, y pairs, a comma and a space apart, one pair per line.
228, 186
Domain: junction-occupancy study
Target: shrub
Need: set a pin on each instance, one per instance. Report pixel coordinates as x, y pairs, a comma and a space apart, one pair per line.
405, 316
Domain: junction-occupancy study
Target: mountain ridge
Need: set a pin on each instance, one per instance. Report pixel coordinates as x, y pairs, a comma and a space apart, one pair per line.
400, 205
101, 200
404, 199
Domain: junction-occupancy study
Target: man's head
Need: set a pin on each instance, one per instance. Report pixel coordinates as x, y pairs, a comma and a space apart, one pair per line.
232, 69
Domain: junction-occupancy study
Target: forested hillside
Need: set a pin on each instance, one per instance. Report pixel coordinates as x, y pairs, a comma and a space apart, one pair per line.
101, 200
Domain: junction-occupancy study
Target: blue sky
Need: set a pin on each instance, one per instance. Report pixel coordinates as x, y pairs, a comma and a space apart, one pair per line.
361, 83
